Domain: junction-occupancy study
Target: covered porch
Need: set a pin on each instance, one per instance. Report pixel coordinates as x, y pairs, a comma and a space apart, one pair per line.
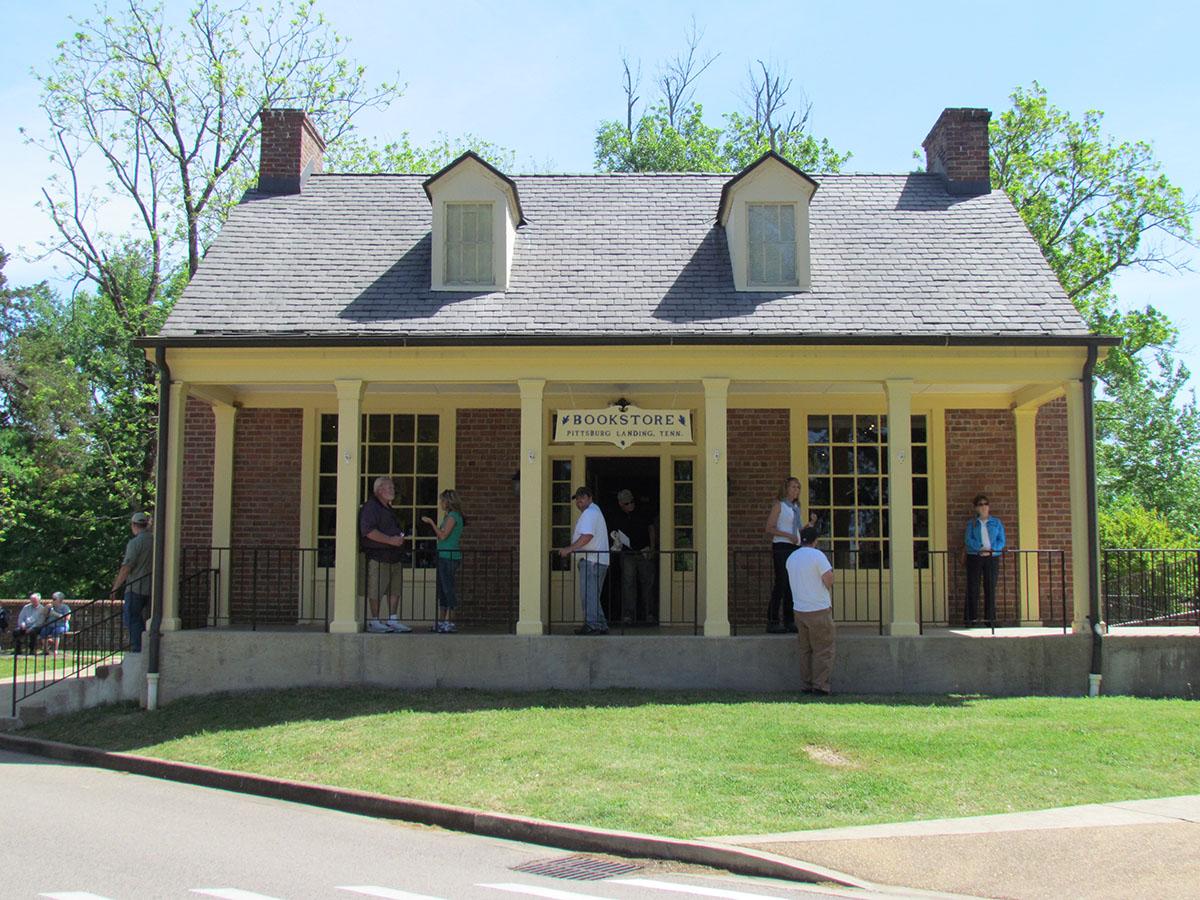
271, 451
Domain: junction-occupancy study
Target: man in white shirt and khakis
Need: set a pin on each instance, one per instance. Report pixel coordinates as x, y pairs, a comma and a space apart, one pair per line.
811, 577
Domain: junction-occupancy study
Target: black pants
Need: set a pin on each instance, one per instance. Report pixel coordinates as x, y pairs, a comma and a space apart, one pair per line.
30, 637
987, 568
781, 590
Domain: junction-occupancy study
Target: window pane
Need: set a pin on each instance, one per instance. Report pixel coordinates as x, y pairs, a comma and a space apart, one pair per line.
818, 461
329, 458
402, 458
427, 460
327, 492
427, 429
818, 491
560, 537
405, 429
868, 491
868, 523
561, 470
404, 491
683, 539
560, 515
787, 263
843, 429
787, 223
843, 460
920, 460
868, 460
843, 492
866, 429
920, 523
683, 515
561, 493
683, 493
918, 430
377, 460
843, 522
920, 491
818, 429
327, 520
427, 492
328, 428
379, 429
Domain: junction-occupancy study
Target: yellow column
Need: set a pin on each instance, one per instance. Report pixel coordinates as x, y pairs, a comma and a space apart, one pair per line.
1025, 421
534, 561
903, 618
345, 618
169, 515
1077, 463
224, 416
716, 507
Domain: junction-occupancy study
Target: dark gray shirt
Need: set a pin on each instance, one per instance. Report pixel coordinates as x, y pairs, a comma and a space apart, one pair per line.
139, 556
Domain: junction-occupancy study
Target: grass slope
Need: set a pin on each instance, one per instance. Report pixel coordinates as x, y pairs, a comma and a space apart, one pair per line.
681, 764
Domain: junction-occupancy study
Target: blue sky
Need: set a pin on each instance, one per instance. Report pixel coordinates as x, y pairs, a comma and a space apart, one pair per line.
537, 77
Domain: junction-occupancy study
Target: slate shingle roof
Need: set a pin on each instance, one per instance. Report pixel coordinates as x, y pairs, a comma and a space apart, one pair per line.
606, 256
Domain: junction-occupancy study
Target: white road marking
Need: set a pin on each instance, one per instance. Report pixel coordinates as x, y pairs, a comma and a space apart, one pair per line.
535, 891
73, 895
695, 890
372, 890
232, 894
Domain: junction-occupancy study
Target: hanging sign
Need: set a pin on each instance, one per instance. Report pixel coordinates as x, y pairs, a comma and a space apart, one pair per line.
623, 426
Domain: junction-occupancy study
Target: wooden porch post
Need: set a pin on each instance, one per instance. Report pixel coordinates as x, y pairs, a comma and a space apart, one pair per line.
169, 515
716, 507
345, 618
1077, 461
224, 416
903, 619
533, 559
1025, 422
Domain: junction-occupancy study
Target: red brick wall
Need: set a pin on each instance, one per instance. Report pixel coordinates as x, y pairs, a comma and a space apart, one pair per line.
266, 513
488, 450
196, 515
981, 458
759, 459
199, 432
1054, 503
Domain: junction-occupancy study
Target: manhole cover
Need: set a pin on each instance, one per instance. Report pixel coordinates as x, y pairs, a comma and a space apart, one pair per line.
577, 868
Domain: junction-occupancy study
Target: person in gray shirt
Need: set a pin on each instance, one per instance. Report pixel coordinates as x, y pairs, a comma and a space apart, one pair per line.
134, 576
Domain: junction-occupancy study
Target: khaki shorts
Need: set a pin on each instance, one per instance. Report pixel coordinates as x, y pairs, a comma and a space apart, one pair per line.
382, 579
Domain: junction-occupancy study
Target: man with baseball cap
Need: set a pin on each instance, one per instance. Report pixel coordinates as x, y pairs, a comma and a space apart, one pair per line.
634, 532
134, 576
590, 542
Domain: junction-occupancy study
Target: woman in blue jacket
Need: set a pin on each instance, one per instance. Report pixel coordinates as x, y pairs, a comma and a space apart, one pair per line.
985, 543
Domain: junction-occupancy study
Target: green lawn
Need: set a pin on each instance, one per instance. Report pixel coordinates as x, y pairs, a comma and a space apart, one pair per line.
35, 666
681, 764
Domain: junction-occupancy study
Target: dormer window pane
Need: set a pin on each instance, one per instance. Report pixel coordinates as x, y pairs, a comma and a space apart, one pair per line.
772, 243
469, 243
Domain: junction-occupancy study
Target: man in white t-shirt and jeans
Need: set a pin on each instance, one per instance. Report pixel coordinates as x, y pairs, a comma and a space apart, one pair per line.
811, 577
590, 542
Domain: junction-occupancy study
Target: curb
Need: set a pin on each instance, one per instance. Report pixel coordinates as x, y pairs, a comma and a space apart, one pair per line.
738, 860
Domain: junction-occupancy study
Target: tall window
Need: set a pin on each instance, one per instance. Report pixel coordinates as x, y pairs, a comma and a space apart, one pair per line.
772, 244
469, 243
684, 512
403, 447
848, 487
560, 509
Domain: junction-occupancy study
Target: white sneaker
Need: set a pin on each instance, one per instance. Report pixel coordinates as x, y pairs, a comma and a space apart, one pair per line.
395, 626
376, 627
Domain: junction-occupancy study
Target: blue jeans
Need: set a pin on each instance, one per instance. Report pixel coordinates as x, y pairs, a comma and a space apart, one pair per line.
591, 580
133, 615
447, 578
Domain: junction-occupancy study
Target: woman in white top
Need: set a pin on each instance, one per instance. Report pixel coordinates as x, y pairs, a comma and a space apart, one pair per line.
783, 524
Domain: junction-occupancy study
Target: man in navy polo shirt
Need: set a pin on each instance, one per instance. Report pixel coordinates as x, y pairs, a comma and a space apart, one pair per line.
381, 538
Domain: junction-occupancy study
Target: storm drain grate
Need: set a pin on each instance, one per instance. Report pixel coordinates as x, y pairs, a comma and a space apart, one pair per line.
577, 868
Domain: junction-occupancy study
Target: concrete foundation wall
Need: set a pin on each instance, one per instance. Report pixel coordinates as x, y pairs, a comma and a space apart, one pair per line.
201, 662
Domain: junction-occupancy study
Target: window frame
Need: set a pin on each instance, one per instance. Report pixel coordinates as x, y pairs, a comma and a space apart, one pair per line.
751, 283
448, 245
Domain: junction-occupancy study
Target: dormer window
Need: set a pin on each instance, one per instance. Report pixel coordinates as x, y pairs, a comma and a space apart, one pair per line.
771, 257
469, 243
764, 211
476, 213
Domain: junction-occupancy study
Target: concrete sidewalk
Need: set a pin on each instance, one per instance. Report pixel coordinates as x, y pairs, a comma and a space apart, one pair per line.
1141, 848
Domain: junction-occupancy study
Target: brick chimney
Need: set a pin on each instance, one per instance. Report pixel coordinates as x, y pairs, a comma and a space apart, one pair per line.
957, 149
290, 151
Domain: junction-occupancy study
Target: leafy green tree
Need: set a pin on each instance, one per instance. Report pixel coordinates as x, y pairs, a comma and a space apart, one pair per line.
672, 136
1097, 206
1127, 524
364, 155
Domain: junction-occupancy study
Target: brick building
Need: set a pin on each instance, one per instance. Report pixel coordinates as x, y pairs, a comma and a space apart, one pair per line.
896, 342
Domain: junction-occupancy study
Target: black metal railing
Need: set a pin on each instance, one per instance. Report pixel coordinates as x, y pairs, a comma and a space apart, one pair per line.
485, 582
673, 592
1146, 587
255, 587
94, 634
1031, 587
859, 595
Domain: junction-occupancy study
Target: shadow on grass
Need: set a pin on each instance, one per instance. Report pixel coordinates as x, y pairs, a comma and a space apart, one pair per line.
126, 728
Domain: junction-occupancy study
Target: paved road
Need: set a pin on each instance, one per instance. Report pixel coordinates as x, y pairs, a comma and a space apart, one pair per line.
78, 833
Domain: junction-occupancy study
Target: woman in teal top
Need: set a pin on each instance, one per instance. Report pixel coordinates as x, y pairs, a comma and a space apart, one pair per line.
449, 561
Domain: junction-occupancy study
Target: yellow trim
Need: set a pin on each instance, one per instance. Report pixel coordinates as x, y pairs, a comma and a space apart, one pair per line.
224, 431
1076, 452
903, 613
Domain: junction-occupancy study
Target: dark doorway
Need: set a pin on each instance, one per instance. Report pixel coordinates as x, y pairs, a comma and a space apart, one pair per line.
606, 475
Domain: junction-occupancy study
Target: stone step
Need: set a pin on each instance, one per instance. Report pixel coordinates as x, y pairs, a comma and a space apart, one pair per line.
32, 713
10, 723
